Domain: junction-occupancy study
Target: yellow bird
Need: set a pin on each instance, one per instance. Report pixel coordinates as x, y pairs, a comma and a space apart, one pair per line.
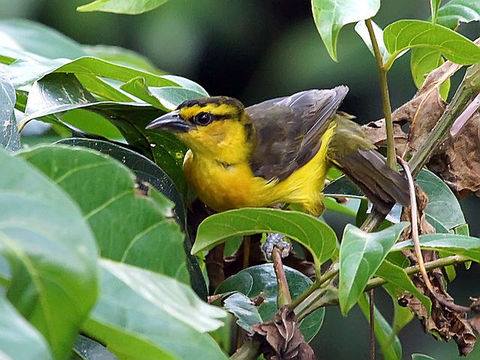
277, 151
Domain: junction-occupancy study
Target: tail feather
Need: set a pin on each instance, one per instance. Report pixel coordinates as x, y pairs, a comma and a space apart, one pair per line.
383, 186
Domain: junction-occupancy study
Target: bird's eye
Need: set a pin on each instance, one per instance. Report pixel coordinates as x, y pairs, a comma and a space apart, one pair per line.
203, 118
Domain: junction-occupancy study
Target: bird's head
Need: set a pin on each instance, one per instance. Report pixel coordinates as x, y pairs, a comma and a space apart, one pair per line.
215, 126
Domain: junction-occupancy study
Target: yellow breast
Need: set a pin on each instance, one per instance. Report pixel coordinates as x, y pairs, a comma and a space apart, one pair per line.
222, 186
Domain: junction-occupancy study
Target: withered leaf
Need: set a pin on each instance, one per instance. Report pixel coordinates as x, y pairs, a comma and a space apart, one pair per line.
281, 338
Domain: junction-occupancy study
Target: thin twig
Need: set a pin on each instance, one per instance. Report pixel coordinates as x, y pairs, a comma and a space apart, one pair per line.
416, 243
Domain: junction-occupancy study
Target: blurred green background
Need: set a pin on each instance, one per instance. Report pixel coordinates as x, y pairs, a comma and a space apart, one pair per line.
255, 50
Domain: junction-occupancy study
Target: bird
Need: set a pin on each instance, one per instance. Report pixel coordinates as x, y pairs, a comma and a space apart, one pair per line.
278, 151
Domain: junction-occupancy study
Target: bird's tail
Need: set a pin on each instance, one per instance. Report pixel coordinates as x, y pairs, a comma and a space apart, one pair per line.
351, 151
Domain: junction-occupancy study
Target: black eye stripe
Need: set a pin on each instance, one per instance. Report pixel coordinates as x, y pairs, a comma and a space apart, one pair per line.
205, 118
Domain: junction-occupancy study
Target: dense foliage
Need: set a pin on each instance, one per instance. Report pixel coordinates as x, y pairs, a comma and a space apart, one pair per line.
98, 252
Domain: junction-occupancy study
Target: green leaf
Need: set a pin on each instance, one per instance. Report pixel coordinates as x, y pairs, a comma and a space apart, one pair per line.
103, 188
9, 136
408, 34
422, 61
312, 233
25, 71
148, 171
421, 357
132, 7
18, 339
260, 281
122, 56
34, 38
386, 337
361, 254
455, 12
443, 207
51, 252
362, 31
88, 349
246, 313
62, 92
143, 315
396, 276
166, 98
434, 6
330, 17
447, 243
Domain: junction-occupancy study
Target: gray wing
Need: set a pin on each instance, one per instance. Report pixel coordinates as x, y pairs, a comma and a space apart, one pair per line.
288, 130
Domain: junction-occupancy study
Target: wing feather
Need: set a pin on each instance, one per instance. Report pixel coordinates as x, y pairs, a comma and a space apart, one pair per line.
288, 130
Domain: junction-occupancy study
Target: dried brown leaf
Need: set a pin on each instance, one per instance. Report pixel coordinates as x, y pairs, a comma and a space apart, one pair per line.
458, 161
281, 338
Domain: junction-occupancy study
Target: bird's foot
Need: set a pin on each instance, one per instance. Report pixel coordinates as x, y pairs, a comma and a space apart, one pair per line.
276, 240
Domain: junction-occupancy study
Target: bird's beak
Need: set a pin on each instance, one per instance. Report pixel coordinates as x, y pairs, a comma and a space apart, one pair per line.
171, 121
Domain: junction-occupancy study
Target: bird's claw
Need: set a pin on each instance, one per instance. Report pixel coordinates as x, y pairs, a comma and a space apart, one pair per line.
276, 240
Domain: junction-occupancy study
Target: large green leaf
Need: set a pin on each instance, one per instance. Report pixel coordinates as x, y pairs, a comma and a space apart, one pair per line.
131, 7
330, 17
458, 11
51, 252
361, 254
9, 137
18, 339
447, 243
312, 233
261, 281
129, 225
387, 339
35, 38
63, 92
142, 315
408, 34
443, 209
421, 357
148, 171
27, 70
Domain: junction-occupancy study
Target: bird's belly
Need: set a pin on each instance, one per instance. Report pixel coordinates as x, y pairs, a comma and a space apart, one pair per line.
228, 187
224, 187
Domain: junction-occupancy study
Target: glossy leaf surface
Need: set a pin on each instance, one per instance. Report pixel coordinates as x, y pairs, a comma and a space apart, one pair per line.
18, 339
143, 315
361, 254
9, 136
455, 12
407, 34
260, 282
57, 275
447, 243
312, 233
330, 18
131, 7
129, 225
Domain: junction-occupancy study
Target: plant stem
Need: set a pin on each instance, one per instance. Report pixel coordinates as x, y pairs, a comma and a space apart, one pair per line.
248, 351
284, 297
387, 109
319, 282
438, 263
470, 86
